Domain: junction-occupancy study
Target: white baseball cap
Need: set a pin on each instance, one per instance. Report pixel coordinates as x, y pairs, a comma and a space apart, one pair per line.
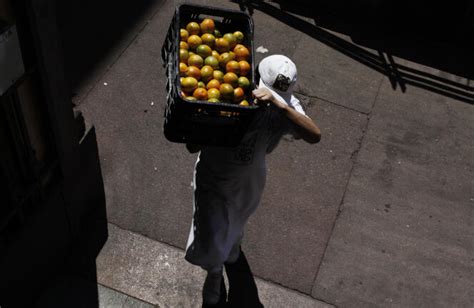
278, 74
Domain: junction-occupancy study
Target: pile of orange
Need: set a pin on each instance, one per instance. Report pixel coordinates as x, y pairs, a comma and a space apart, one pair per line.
212, 66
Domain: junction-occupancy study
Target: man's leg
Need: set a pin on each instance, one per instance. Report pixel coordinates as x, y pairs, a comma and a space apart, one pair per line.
243, 291
235, 251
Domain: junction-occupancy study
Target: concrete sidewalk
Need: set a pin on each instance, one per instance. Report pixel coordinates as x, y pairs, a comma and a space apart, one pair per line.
110, 298
134, 268
379, 213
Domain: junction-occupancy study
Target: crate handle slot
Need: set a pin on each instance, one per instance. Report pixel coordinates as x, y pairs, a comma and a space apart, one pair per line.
217, 19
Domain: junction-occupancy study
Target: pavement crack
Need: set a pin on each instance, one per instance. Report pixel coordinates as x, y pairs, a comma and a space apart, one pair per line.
125, 294
292, 290
355, 153
353, 157
330, 102
145, 235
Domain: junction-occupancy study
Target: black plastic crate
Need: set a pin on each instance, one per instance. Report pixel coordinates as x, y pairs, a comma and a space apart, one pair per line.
202, 122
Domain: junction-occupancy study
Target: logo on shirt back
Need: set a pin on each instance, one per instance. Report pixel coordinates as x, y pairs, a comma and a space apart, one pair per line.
243, 154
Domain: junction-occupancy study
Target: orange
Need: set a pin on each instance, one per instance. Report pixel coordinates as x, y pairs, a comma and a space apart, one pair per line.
214, 83
206, 73
239, 94
222, 45
183, 68
243, 82
183, 45
195, 60
217, 33
193, 28
227, 91
239, 36
194, 41
231, 39
201, 84
244, 103
193, 71
189, 84
183, 55
200, 94
238, 46
213, 93
204, 51
218, 75
215, 54
183, 34
244, 67
224, 58
208, 39
212, 61
232, 79
233, 67
207, 26
191, 53
241, 53
213, 100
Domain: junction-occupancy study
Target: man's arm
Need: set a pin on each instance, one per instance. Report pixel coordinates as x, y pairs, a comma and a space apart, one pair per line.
305, 127
303, 124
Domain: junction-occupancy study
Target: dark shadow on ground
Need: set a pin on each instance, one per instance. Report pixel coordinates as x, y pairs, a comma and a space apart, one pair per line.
90, 29
438, 36
41, 265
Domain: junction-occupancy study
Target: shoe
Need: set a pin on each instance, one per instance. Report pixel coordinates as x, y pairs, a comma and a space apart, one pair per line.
214, 293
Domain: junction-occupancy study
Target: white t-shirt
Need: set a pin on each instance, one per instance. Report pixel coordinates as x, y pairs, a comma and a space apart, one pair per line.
261, 138
228, 184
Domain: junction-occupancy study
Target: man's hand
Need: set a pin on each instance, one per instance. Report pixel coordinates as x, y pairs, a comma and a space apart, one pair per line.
263, 94
303, 125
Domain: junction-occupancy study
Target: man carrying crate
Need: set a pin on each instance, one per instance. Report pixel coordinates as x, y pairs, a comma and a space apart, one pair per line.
228, 184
